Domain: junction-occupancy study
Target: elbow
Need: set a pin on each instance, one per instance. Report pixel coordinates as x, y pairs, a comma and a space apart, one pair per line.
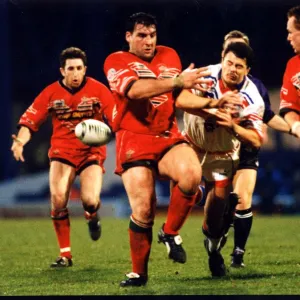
179, 104
256, 142
132, 95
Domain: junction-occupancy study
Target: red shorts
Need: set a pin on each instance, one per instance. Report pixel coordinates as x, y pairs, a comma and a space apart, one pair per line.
131, 147
79, 158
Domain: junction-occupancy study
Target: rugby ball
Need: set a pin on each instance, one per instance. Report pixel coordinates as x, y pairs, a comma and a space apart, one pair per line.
93, 132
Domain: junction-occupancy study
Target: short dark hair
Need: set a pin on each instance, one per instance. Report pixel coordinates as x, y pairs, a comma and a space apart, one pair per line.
72, 52
241, 50
295, 12
140, 18
236, 34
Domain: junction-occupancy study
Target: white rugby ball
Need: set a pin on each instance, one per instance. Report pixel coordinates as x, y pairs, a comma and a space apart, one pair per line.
93, 132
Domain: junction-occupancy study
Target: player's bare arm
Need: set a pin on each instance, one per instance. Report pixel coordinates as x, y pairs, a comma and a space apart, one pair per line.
245, 135
147, 88
293, 119
278, 123
19, 142
194, 104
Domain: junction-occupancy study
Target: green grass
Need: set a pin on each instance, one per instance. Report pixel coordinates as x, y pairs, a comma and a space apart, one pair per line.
28, 246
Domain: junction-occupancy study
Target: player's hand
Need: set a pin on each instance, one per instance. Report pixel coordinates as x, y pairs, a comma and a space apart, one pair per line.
194, 78
230, 97
17, 148
224, 118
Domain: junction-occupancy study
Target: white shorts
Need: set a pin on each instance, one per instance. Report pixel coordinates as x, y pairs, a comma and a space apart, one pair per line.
219, 168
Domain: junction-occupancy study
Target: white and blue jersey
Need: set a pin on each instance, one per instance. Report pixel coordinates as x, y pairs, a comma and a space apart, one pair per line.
205, 134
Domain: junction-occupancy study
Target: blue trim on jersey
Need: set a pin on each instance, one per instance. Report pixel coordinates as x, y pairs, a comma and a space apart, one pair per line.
247, 97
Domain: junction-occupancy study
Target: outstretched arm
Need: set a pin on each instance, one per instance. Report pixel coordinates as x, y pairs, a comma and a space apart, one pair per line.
19, 142
278, 123
147, 88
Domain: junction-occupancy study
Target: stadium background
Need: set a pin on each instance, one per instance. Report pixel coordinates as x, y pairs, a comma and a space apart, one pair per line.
33, 33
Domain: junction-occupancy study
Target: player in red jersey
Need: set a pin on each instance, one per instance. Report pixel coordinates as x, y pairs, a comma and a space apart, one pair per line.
69, 101
148, 141
290, 90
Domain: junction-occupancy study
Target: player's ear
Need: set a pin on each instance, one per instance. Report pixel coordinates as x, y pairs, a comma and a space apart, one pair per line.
62, 72
128, 36
247, 71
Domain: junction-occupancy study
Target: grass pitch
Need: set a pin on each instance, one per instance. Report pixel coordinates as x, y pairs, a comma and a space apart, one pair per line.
28, 246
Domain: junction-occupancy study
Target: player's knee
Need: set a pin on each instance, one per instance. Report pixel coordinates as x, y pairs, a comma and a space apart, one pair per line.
245, 200
59, 200
143, 213
189, 178
90, 199
91, 207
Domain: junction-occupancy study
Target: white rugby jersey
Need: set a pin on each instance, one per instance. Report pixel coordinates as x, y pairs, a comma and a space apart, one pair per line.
209, 136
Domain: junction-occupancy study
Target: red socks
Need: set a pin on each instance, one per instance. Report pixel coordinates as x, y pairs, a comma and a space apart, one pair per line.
140, 245
180, 206
61, 225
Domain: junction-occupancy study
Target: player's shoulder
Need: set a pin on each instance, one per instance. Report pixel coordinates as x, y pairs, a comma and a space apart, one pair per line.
294, 59
165, 50
256, 81
293, 62
54, 86
95, 83
117, 55
215, 70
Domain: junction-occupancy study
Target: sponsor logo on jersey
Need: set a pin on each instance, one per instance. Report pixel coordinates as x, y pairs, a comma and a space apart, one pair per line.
296, 80
59, 104
87, 103
284, 91
129, 153
31, 110
158, 100
141, 70
75, 115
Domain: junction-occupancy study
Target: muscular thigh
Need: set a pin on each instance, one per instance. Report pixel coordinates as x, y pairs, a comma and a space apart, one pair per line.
244, 184
140, 188
180, 160
91, 182
61, 177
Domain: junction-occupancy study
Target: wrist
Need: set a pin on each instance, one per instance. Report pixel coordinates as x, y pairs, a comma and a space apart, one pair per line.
178, 81
295, 127
19, 141
234, 132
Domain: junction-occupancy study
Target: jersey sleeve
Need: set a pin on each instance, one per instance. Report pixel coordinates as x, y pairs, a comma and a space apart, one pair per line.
37, 112
107, 100
253, 110
289, 99
268, 113
253, 118
119, 74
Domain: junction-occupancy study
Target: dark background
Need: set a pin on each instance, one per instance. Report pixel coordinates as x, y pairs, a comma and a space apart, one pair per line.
33, 33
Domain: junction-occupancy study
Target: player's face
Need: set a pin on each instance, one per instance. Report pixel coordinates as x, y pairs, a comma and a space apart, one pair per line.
73, 72
293, 35
234, 69
142, 41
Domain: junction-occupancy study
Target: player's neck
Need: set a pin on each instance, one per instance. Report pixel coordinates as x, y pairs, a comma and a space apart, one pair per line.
228, 86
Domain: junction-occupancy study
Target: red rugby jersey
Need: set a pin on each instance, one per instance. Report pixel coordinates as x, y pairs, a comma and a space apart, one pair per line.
290, 90
67, 108
149, 116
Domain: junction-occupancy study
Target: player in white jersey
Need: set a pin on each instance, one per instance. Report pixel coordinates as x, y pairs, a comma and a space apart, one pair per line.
216, 135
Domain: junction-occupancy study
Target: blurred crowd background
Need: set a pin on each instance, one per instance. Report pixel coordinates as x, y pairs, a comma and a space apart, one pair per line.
33, 33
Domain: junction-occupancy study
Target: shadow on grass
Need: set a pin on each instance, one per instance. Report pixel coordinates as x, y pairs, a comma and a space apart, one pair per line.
231, 276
